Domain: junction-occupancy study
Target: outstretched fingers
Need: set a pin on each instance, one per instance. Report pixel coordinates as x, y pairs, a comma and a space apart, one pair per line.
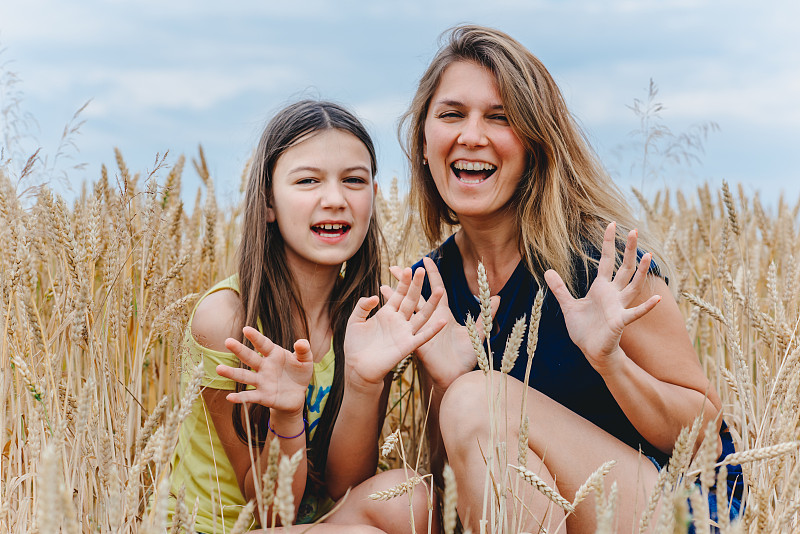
302, 351
637, 283
628, 266
605, 268
629, 315
558, 288
363, 308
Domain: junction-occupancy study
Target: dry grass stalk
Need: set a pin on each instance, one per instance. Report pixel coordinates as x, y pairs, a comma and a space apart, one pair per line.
396, 491
450, 500
534, 480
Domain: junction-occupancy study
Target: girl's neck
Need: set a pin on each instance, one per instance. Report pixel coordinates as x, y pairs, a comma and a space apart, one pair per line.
315, 284
493, 242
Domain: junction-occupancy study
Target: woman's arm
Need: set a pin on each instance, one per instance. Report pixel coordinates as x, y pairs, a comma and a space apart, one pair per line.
630, 330
373, 346
216, 319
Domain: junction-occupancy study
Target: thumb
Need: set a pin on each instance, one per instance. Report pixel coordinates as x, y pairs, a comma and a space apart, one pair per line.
558, 288
494, 304
302, 350
363, 308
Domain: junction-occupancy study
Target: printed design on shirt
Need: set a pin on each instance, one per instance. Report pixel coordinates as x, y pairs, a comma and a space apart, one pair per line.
314, 399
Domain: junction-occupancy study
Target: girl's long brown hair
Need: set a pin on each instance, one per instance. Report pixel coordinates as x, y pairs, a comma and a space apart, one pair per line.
269, 294
566, 199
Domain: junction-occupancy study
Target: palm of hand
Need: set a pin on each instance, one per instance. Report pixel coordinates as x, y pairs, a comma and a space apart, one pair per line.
282, 380
449, 354
374, 345
595, 323
279, 378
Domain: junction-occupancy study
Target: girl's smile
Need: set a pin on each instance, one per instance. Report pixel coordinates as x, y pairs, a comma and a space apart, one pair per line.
322, 198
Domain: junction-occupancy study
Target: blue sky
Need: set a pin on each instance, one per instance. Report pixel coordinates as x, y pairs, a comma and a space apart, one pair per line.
171, 75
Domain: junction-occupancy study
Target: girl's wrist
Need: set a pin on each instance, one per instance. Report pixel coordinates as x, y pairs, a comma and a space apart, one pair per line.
356, 384
286, 424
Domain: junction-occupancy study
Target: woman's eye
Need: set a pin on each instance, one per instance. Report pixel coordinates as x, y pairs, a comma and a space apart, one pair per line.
499, 117
448, 115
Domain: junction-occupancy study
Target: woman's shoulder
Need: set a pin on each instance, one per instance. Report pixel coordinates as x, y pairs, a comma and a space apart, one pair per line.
218, 316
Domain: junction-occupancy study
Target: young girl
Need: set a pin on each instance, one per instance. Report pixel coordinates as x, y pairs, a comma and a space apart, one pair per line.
316, 374
494, 149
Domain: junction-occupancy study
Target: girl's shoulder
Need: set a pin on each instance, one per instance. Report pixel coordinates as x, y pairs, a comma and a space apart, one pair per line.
218, 315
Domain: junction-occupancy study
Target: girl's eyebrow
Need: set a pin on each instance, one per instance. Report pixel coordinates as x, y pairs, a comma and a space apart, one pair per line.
307, 168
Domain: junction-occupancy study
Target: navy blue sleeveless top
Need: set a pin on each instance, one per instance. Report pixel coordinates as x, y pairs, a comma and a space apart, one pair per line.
559, 370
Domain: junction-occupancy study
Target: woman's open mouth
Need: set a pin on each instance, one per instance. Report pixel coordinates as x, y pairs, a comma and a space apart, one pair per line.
331, 229
470, 172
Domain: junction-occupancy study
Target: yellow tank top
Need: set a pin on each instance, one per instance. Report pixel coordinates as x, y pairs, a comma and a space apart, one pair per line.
199, 461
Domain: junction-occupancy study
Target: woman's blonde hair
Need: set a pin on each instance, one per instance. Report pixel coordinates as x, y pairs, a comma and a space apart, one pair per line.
565, 199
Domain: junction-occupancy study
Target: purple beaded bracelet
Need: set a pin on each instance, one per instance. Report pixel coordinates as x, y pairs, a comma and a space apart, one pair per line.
288, 437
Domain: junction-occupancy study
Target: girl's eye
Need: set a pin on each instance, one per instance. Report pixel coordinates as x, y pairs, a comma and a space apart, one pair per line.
355, 180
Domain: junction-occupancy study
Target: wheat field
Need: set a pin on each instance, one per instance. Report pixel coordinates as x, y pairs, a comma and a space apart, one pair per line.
95, 297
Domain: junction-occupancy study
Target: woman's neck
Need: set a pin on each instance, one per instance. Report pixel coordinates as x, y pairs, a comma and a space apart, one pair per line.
493, 242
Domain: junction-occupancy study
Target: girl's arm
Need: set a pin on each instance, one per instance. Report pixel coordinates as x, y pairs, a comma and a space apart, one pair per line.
641, 350
216, 319
373, 347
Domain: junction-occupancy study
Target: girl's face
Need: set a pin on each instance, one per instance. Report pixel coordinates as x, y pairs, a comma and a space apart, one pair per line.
474, 156
323, 191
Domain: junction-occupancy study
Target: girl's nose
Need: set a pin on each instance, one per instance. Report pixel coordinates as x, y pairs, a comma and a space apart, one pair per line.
333, 196
473, 134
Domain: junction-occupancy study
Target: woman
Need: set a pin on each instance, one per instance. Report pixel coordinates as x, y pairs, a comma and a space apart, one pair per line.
493, 149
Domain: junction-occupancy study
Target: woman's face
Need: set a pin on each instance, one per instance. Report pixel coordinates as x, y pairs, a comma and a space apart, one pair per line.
323, 191
474, 156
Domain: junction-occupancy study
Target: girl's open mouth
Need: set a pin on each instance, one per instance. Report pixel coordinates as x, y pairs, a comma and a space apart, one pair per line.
472, 172
331, 229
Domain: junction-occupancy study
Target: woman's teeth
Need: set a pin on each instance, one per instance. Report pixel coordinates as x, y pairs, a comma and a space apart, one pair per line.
470, 172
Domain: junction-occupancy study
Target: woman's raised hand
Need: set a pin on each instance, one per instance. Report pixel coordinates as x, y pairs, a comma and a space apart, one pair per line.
449, 354
595, 322
280, 377
374, 345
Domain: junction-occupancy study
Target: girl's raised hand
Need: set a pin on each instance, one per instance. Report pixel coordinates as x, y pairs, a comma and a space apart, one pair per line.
374, 345
280, 377
595, 322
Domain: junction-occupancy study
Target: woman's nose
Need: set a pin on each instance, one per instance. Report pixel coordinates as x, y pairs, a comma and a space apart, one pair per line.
473, 134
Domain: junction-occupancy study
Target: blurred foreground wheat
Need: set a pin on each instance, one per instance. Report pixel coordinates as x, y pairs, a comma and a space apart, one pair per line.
95, 296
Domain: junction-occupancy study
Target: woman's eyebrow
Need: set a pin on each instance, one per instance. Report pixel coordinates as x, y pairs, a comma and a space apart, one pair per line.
459, 104
305, 168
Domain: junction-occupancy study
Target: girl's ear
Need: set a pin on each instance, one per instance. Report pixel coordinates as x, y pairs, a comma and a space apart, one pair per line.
270, 214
